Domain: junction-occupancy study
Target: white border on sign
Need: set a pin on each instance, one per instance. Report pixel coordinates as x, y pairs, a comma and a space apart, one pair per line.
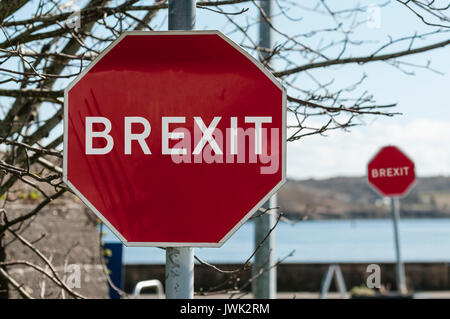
376, 189
250, 213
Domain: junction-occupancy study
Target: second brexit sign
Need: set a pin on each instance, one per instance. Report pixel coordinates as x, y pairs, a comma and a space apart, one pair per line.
391, 172
174, 138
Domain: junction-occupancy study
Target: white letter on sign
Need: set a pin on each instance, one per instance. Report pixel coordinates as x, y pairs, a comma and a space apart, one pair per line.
258, 120
129, 120
89, 135
166, 135
207, 135
374, 173
234, 136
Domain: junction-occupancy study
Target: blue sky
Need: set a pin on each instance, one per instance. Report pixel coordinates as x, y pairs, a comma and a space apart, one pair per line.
422, 131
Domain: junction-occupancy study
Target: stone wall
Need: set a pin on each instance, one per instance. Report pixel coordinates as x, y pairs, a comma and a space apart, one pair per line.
66, 233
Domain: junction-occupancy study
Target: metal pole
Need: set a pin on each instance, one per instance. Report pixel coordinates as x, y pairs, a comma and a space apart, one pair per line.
181, 15
264, 286
401, 283
265, 34
180, 261
179, 273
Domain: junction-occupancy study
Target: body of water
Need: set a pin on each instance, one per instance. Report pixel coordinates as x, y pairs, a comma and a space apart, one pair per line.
364, 240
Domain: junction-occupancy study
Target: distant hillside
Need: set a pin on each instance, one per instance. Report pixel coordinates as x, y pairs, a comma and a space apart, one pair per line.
348, 197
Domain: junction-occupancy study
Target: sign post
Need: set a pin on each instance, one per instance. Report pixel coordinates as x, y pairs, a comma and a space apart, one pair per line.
400, 267
391, 173
265, 285
180, 261
179, 273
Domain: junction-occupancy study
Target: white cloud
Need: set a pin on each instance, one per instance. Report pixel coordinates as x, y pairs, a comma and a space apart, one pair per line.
426, 141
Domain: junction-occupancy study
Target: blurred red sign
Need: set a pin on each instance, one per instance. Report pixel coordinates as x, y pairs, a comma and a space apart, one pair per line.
391, 172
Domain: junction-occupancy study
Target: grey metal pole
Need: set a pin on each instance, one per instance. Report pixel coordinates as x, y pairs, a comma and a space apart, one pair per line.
400, 267
181, 15
264, 286
180, 261
179, 273
265, 32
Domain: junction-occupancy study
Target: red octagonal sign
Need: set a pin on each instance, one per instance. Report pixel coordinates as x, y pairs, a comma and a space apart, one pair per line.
391, 172
174, 138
